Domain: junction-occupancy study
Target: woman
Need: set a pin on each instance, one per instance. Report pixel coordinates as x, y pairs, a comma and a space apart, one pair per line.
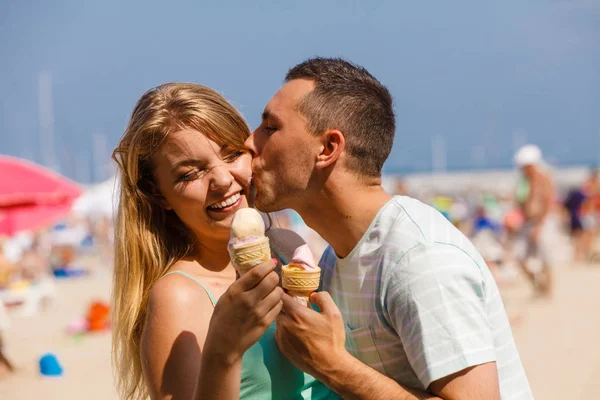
184, 172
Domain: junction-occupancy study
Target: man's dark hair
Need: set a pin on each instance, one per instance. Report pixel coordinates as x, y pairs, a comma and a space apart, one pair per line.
348, 98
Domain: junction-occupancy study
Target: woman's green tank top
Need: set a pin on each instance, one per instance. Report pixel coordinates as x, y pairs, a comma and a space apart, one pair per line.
268, 374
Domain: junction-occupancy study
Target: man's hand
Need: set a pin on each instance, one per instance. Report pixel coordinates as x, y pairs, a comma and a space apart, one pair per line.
313, 341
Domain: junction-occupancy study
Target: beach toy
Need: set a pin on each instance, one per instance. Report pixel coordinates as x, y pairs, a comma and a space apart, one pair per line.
77, 326
98, 317
69, 272
49, 365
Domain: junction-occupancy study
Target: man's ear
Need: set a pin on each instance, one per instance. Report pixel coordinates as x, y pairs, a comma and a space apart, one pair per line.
333, 144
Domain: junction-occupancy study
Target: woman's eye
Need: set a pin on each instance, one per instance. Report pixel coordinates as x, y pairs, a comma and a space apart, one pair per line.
191, 175
233, 156
186, 177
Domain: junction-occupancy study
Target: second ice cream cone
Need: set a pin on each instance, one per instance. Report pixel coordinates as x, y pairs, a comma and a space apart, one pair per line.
300, 283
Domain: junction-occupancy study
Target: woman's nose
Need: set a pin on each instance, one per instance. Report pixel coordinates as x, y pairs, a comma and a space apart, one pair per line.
220, 178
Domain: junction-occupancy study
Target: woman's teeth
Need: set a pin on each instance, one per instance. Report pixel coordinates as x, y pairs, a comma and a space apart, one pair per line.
227, 202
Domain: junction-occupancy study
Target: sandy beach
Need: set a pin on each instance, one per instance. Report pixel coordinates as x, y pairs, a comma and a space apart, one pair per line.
557, 340
85, 359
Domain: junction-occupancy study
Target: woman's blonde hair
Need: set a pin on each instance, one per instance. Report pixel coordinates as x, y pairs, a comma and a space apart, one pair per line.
148, 238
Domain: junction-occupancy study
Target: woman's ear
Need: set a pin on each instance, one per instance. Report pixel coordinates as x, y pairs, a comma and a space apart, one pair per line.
333, 144
163, 202
159, 197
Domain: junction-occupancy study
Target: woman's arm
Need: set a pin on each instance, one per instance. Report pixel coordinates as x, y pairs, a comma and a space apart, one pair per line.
241, 317
189, 350
174, 334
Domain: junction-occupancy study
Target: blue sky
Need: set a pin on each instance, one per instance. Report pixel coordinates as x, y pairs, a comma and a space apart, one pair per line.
484, 77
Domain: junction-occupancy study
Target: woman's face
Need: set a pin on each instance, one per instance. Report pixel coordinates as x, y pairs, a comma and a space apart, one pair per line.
202, 182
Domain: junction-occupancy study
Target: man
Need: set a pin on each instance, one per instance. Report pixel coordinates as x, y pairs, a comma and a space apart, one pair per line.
580, 204
535, 196
412, 310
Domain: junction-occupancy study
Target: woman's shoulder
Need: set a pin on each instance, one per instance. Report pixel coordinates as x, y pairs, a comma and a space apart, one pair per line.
177, 291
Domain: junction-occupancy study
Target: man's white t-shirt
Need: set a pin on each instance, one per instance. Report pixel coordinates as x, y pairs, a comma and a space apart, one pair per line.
420, 303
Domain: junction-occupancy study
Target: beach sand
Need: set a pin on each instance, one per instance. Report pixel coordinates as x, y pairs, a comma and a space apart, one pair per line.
557, 340
85, 360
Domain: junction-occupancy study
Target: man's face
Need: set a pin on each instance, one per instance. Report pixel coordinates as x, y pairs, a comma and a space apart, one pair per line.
284, 150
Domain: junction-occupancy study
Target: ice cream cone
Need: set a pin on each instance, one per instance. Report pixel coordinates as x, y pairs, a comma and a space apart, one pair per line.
300, 283
247, 255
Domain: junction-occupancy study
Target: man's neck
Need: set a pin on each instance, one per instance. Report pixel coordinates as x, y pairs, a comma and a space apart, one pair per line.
343, 211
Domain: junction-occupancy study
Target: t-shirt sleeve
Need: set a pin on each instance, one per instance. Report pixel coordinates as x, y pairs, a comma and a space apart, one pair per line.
435, 300
326, 263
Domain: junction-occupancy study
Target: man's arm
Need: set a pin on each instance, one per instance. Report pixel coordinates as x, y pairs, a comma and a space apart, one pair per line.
548, 195
355, 380
478, 382
352, 379
314, 342
541, 184
546, 189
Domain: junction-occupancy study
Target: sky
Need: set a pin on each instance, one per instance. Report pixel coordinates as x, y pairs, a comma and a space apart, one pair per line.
472, 79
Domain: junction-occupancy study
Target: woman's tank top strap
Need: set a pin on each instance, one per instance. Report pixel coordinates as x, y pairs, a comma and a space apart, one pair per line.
210, 295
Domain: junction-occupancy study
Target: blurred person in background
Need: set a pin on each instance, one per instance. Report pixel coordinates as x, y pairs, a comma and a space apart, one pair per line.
5, 363
7, 267
103, 233
535, 198
183, 326
580, 204
401, 189
6, 271
460, 215
486, 238
34, 263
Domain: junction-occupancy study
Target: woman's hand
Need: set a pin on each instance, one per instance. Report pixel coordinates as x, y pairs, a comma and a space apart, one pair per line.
244, 312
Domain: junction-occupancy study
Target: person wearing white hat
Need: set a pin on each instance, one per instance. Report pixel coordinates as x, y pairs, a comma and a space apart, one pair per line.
535, 197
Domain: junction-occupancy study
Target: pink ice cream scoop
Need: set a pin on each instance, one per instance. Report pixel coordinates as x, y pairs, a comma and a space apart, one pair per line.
303, 259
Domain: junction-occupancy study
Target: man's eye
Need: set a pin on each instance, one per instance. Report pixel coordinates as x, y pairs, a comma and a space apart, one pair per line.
270, 130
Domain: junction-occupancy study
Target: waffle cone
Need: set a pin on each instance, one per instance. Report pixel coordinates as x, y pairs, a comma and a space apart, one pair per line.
249, 255
301, 297
300, 283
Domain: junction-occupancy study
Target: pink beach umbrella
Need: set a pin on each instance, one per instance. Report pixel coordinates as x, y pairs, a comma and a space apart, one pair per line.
32, 196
